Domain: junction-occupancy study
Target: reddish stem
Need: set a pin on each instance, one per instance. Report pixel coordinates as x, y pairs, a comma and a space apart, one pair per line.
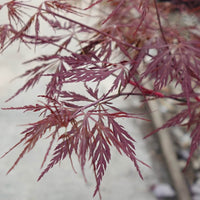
146, 91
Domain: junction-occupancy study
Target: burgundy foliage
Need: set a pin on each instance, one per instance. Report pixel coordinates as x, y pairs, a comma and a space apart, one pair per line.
87, 124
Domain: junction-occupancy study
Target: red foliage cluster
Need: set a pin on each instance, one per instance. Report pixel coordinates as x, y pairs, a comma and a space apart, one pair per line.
115, 47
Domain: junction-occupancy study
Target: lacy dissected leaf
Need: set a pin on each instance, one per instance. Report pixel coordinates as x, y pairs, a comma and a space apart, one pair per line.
15, 11
176, 120
101, 156
92, 92
61, 5
35, 75
33, 108
125, 142
190, 119
60, 152
32, 135
5, 32
89, 135
73, 96
106, 135
94, 74
195, 136
56, 83
179, 63
54, 118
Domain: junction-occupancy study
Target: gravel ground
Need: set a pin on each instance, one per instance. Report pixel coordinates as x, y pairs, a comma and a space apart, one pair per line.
121, 180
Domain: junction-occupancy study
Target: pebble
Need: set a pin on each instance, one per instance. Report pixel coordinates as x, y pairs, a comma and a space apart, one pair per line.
163, 190
195, 188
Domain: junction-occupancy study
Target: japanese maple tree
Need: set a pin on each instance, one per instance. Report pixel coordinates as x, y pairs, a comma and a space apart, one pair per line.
115, 44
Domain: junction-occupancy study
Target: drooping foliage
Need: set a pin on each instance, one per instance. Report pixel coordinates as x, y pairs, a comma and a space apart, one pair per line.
91, 42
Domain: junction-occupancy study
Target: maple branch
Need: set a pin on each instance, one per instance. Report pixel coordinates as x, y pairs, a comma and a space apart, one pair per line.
149, 92
159, 21
87, 106
146, 91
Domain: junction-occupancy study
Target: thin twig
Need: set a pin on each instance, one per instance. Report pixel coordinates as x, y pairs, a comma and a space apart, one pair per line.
159, 21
